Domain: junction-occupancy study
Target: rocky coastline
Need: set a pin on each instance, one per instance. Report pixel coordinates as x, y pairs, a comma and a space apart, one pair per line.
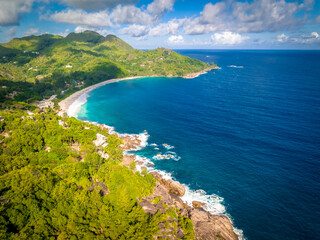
196, 74
168, 192
206, 225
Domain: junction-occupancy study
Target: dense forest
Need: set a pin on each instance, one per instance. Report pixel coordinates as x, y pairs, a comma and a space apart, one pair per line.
55, 184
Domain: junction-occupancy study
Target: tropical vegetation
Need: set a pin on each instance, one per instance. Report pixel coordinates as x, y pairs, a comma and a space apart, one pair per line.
55, 182
40, 66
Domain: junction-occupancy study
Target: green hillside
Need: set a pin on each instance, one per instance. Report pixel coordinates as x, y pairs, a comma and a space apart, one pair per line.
63, 65
56, 182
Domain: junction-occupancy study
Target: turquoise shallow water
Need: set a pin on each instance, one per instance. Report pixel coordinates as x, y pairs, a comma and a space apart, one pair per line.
249, 133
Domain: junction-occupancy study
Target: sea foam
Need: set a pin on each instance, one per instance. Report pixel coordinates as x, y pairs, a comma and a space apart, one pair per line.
75, 107
213, 202
234, 66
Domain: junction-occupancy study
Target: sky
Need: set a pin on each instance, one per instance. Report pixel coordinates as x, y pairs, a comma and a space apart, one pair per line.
177, 24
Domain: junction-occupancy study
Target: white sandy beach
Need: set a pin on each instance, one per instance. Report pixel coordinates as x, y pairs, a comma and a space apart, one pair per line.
72, 104
69, 105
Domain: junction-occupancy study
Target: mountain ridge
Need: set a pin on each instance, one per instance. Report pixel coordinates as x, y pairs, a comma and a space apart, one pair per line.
62, 65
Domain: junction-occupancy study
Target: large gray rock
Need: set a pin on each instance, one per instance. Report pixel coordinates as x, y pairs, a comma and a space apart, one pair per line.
148, 207
173, 187
211, 227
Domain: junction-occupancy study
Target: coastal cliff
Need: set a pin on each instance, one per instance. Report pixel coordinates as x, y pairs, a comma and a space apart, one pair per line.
168, 192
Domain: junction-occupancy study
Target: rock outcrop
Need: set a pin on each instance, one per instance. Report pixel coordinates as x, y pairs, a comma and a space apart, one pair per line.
211, 227
98, 186
206, 225
130, 142
173, 187
101, 140
127, 160
197, 204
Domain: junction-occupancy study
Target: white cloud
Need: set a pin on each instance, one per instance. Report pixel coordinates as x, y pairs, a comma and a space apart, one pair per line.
282, 38
176, 39
80, 17
315, 34
12, 10
255, 16
131, 14
309, 39
312, 38
122, 13
65, 33
12, 31
228, 38
32, 31
135, 30
308, 4
171, 27
159, 7
144, 31
97, 4
212, 13
101, 31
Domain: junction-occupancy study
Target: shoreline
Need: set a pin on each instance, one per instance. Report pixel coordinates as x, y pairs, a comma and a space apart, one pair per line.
71, 106
66, 103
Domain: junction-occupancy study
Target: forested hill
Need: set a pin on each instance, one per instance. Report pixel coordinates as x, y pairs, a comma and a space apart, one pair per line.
57, 180
61, 178
49, 64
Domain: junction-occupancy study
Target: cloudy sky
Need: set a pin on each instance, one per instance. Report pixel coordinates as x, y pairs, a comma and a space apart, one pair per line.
230, 24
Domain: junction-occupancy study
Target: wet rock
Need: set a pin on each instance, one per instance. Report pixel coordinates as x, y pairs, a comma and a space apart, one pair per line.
139, 163
156, 175
175, 188
197, 204
130, 142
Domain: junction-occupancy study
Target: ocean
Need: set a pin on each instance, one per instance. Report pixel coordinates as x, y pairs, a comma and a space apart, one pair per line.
244, 138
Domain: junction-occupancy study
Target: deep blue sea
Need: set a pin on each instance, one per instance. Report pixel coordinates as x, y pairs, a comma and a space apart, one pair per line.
248, 133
